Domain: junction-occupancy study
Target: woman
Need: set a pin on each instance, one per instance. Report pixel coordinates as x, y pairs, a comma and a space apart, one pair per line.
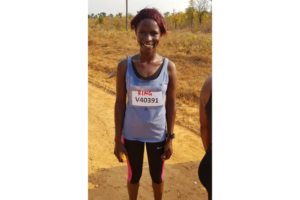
205, 167
148, 79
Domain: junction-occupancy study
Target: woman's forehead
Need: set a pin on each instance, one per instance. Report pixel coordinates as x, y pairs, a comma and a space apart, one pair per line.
147, 22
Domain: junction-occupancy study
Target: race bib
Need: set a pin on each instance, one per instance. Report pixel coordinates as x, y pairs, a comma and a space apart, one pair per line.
147, 98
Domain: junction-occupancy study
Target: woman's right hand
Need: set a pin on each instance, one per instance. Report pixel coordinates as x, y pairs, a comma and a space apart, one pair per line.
119, 151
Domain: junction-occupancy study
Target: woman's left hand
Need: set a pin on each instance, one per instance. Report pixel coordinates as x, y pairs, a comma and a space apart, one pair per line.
168, 150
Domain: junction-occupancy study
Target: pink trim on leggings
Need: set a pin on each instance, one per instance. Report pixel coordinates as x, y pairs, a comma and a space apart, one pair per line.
128, 164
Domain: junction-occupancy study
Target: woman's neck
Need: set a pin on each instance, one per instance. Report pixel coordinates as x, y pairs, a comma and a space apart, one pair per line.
147, 58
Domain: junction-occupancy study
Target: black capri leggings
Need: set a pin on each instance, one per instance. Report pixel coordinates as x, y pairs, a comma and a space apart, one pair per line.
135, 150
205, 171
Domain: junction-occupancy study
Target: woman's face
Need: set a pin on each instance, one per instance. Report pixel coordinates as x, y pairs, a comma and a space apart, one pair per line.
148, 35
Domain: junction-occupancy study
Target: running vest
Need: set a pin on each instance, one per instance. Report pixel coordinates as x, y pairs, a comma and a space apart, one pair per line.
145, 115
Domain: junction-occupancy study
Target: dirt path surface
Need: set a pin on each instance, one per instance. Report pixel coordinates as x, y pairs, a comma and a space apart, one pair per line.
107, 177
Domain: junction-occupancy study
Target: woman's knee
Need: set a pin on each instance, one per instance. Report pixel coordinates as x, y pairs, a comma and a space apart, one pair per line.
135, 177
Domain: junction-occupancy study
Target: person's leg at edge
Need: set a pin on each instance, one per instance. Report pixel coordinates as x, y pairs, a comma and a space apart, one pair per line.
205, 172
156, 167
158, 190
135, 150
133, 190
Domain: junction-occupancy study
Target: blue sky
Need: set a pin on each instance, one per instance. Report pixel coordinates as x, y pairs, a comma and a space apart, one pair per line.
115, 6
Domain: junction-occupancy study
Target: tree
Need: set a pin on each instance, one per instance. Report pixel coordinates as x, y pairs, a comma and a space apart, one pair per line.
176, 16
166, 14
92, 15
130, 16
100, 19
190, 12
119, 15
103, 14
111, 16
201, 7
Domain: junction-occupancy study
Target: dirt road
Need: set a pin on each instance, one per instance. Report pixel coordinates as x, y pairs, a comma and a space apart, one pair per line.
107, 177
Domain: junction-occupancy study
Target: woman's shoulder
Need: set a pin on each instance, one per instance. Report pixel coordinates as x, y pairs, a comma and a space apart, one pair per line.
208, 83
206, 90
122, 66
124, 61
171, 66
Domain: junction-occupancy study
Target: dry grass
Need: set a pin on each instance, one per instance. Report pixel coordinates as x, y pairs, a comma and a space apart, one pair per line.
191, 53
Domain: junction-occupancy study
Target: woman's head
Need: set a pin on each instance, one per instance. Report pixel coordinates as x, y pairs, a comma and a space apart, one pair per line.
149, 26
148, 13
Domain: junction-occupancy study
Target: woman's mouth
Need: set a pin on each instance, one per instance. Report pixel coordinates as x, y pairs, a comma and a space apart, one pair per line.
148, 45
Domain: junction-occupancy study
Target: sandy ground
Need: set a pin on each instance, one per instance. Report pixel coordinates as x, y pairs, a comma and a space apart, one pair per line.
107, 177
